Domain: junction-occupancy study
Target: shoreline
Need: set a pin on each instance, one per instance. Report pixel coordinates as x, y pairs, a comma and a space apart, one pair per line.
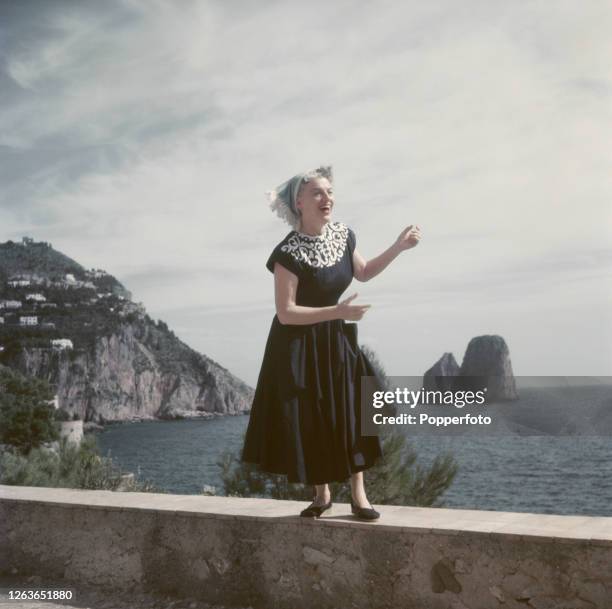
89, 426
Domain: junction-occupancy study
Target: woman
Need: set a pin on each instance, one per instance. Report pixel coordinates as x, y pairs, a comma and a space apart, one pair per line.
305, 418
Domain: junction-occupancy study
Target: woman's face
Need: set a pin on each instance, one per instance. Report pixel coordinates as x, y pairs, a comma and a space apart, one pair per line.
316, 200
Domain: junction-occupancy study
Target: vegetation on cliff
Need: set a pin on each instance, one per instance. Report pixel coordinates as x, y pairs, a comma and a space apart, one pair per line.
27, 415
34, 257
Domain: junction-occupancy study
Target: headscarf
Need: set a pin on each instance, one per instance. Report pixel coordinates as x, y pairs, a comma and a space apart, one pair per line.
283, 198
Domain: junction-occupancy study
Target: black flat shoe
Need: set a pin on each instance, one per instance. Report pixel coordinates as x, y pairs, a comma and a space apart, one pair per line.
315, 511
364, 513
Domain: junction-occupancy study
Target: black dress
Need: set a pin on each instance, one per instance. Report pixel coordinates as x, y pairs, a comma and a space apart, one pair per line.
305, 418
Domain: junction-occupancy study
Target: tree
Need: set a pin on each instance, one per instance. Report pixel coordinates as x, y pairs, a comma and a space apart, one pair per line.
27, 416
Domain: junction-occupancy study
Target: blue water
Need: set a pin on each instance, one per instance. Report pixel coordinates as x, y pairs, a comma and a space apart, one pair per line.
541, 474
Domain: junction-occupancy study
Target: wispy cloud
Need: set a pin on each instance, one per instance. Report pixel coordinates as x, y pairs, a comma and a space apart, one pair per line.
140, 137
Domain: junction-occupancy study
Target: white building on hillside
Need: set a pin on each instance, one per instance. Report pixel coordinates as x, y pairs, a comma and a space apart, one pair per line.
19, 283
96, 273
36, 297
61, 343
28, 320
33, 278
70, 281
10, 304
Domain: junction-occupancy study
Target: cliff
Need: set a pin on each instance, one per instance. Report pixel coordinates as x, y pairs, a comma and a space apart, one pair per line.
121, 365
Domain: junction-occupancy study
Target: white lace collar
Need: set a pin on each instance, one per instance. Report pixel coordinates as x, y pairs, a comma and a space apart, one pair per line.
318, 250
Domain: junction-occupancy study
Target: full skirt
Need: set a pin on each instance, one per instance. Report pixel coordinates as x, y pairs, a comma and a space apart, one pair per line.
305, 420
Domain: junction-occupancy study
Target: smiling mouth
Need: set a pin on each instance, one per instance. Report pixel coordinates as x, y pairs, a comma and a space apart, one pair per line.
325, 209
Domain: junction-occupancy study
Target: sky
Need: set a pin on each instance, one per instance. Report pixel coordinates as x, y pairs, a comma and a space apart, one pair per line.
140, 137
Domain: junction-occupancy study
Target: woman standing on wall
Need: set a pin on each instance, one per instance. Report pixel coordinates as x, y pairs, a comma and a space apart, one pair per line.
305, 418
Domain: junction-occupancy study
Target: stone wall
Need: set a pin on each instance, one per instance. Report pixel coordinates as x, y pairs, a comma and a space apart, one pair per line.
258, 552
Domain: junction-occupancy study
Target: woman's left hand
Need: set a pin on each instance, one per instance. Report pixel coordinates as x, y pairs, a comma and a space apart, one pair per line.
409, 237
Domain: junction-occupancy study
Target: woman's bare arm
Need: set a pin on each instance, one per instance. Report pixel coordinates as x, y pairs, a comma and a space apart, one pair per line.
285, 290
364, 271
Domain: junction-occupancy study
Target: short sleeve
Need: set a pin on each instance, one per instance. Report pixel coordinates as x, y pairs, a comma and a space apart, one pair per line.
285, 259
351, 240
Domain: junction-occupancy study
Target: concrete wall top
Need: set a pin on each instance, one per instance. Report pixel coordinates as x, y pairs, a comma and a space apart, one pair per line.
540, 527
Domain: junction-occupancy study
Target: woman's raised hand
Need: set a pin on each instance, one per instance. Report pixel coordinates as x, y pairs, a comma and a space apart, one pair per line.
349, 311
409, 237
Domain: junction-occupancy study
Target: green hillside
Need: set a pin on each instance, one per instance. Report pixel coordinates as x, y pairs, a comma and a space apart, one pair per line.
73, 302
29, 256
90, 305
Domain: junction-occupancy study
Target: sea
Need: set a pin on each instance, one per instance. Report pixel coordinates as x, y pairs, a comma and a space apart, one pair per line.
549, 472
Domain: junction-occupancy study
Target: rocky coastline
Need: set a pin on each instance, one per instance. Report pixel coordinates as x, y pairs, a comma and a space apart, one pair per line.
105, 357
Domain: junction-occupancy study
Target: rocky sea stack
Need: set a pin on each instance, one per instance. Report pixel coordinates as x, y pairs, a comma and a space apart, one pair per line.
486, 363
440, 376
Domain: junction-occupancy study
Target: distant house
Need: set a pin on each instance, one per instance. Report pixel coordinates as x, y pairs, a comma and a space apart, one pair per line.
36, 297
46, 305
1, 319
70, 281
36, 279
28, 320
27, 241
48, 325
61, 343
96, 273
10, 304
22, 278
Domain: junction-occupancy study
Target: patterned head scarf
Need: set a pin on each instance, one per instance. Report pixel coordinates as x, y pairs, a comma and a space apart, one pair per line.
283, 198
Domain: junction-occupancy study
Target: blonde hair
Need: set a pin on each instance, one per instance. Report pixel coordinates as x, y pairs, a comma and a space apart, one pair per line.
283, 198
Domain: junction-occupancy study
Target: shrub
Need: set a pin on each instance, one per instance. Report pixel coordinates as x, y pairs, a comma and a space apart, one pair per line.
71, 466
246, 480
62, 415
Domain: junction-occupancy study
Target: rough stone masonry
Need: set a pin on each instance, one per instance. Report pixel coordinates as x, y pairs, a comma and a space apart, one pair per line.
240, 552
